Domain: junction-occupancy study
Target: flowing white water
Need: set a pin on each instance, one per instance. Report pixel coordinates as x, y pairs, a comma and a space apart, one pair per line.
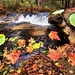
37, 19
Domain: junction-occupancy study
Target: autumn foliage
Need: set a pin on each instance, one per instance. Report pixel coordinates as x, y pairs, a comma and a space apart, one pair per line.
13, 56
54, 54
54, 35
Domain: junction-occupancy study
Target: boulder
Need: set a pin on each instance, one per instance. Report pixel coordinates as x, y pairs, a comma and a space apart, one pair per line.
62, 20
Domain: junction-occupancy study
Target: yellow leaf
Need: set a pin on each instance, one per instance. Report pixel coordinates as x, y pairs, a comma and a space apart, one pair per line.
36, 46
19, 70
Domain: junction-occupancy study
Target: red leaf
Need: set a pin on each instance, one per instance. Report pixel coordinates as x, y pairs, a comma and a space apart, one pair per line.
54, 54
71, 56
54, 35
13, 57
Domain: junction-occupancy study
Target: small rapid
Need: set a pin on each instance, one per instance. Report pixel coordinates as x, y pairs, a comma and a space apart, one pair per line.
36, 19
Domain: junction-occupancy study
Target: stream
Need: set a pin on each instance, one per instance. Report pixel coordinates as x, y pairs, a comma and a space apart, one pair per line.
27, 26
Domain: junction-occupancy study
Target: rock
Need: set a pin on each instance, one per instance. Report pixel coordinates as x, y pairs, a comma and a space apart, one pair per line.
63, 22
55, 19
67, 14
34, 30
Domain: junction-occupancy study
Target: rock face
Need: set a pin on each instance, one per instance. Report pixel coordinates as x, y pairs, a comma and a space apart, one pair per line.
63, 22
55, 19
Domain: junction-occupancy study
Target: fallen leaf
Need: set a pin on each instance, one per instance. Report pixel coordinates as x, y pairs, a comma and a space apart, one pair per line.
71, 59
13, 57
2, 39
29, 49
31, 40
21, 42
13, 39
58, 12
34, 67
54, 35
54, 54
36, 45
1, 65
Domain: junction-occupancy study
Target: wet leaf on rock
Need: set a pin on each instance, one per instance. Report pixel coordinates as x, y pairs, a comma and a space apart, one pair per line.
72, 19
58, 12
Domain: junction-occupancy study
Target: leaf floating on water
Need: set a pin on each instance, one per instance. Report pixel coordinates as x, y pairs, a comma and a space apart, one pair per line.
58, 12
2, 39
54, 35
72, 19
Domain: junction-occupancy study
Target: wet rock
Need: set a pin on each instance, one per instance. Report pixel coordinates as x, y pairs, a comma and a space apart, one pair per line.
55, 19
63, 22
67, 14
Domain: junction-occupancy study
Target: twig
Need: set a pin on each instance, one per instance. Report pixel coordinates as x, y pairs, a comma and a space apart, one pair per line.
51, 62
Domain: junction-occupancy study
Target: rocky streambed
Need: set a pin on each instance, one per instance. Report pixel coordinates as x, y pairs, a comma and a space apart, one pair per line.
37, 50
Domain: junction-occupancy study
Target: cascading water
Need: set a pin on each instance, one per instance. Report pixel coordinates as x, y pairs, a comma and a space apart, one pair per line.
37, 19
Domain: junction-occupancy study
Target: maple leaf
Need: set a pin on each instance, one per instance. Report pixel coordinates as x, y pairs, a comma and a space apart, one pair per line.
13, 57
54, 54
54, 35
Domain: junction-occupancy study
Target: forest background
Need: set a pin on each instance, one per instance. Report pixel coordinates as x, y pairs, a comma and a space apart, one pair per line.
34, 6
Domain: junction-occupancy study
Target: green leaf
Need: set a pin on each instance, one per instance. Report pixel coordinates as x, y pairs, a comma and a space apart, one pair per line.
72, 19
13, 39
4, 73
2, 39
58, 12
36, 46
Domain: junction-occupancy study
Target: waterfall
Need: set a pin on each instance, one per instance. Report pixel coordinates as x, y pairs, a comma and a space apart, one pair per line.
37, 19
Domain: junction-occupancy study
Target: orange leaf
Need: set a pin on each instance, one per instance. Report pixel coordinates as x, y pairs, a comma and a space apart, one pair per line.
29, 48
21, 42
13, 57
34, 67
54, 54
1, 65
54, 35
71, 56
